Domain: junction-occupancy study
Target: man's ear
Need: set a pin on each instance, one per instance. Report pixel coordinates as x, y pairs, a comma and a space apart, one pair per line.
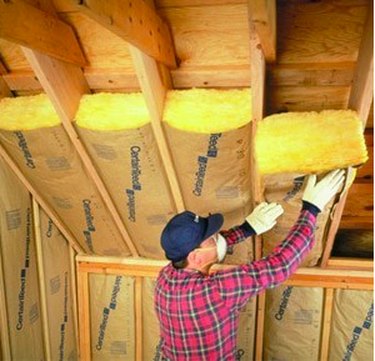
194, 257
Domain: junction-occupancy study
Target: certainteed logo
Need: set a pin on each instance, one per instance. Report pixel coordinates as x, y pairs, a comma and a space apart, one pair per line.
65, 319
200, 174
22, 291
106, 313
136, 172
356, 334
25, 149
297, 185
283, 303
89, 223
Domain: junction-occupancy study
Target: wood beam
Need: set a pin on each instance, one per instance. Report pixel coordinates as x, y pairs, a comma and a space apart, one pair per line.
74, 290
362, 91
45, 33
360, 99
262, 14
65, 84
345, 263
4, 88
260, 317
327, 316
138, 318
154, 92
84, 316
135, 22
41, 279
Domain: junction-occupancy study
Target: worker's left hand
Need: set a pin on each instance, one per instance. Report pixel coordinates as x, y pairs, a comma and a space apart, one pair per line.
264, 216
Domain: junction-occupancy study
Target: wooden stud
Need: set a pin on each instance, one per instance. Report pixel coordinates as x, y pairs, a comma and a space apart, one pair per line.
261, 309
41, 279
4, 87
64, 84
73, 284
136, 23
138, 319
84, 316
45, 33
258, 72
50, 212
5, 347
326, 332
362, 91
262, 15
154, 92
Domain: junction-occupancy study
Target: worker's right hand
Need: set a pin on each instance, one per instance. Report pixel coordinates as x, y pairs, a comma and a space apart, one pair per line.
264, 216
319, 194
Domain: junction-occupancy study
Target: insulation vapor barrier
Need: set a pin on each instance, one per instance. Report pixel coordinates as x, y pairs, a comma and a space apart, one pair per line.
209, 133
293, 323
32, 134
287, 190
112, 317
59, 299
19, 300
352, 330
117, 133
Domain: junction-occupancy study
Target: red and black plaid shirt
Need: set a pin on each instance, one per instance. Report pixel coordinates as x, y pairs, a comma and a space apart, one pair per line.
199, 313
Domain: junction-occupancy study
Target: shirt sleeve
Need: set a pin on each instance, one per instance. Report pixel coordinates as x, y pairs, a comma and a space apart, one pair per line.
238, 284
238, 234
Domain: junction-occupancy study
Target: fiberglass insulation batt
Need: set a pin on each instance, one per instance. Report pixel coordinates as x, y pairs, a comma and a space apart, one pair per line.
58, 286
209, 132
32, 134
117, 132
293, 323
18, 265
352, 330
112, 317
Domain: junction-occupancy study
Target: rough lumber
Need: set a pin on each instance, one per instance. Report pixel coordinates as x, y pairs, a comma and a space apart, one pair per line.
73, 281
45, 33
345, 263
262, 15
154, 92
41, 279
363, 83
138, 318
4, 87
84, 316
328, 306
135, 22
261, 309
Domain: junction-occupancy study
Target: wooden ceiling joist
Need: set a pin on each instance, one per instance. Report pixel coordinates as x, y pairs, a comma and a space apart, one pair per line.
4, 88
26, 25
361, 97
154, 92
135, 22
262, 14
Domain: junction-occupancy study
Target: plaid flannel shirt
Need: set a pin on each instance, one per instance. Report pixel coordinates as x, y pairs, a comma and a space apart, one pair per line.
198, 314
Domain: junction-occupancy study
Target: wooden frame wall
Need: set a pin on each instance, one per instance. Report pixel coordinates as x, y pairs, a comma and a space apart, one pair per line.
329, 279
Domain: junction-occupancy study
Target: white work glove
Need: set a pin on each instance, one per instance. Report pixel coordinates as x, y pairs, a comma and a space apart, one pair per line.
264, 216
319, 194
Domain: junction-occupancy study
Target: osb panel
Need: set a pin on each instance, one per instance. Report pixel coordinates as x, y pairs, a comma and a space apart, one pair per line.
102, 48
12, 56
218, 35
320, 31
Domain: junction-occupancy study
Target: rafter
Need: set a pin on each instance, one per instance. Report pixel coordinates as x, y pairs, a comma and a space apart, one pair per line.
262, 14
26, 25
135, 22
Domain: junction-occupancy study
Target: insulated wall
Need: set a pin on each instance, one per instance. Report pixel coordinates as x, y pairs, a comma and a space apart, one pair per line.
20, 302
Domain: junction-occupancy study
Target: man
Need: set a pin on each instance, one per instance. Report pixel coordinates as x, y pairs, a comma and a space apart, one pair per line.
198, 312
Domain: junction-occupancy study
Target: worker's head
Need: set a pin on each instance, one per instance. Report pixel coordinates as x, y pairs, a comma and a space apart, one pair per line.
189, 239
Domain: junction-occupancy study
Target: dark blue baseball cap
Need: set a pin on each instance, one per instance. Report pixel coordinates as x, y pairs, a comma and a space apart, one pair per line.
186, 231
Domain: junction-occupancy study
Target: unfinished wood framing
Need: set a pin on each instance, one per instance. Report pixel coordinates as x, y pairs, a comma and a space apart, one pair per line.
262, 15
138, 319
154, 92
4, 88
304, 277
46, 33
135, 22
41, 279
345, 263
327, 318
